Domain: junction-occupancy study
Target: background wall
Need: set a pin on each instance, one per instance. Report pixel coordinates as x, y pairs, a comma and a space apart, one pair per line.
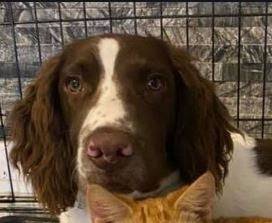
232, 41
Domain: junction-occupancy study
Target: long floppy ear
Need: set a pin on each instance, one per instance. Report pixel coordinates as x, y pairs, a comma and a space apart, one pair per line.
40, 145
202, 139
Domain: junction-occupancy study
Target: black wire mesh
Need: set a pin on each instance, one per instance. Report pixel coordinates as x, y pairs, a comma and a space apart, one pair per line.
244, 84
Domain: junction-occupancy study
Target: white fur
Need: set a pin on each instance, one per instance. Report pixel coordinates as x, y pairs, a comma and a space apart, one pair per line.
246, 192
109, 109
74, 215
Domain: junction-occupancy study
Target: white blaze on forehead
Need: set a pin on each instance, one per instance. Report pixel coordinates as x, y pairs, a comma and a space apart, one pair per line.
108, 50
108, 109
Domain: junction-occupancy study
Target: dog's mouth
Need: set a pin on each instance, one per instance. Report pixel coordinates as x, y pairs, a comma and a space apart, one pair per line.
129, 178
135, 176
125, 186
128, 184
111, 184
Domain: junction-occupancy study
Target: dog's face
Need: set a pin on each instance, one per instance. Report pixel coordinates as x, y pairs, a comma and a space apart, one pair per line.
121, 111
116, 94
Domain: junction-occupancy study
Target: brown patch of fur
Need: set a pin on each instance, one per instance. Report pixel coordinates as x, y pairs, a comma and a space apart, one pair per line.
264, 156
203, 128
41, 146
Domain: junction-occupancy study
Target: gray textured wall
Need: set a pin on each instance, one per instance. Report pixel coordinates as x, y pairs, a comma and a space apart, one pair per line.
200, 41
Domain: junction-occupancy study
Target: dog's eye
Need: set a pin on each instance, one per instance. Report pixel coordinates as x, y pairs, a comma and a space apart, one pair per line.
73, 84
155, 83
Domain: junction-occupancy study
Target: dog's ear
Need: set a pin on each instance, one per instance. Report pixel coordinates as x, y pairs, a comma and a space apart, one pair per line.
202, 138
41, 148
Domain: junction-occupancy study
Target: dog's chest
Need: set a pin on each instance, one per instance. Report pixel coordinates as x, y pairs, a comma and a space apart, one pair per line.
74, 215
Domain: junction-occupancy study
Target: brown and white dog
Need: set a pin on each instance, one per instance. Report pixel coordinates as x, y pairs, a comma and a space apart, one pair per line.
132, 114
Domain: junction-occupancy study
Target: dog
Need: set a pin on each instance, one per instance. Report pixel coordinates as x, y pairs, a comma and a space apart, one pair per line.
134, 115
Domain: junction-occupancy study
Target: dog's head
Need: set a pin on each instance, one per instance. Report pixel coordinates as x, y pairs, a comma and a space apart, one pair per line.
121, 111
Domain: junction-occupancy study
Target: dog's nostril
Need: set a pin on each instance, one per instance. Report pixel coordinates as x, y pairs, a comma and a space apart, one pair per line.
126, 151
110, 154
94, 152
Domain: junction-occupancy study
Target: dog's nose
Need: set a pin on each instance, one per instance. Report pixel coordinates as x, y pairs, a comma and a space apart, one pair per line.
108, 148
110, 153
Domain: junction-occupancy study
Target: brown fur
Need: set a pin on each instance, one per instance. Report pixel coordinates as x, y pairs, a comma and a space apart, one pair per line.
185, 205
46, 152
264, 156
203, 123
40, 142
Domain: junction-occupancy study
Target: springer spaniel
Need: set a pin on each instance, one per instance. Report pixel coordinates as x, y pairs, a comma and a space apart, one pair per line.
132, 114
